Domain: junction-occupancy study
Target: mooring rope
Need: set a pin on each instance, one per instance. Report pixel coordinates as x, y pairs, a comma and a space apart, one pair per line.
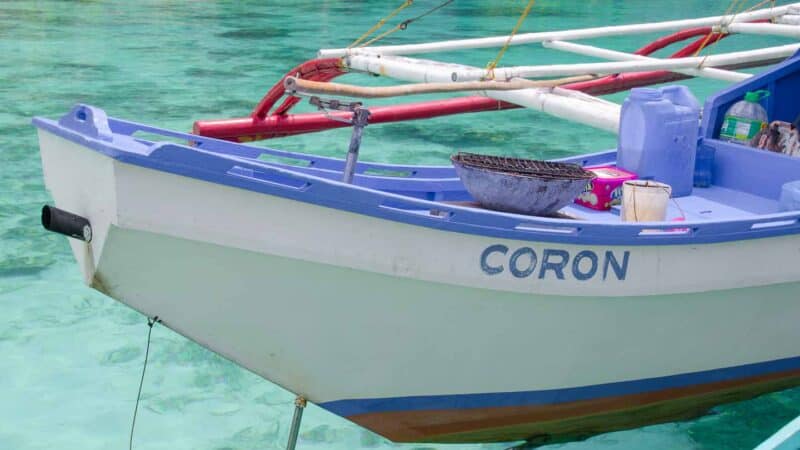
381, 23
492, 64
150, 323
404, 24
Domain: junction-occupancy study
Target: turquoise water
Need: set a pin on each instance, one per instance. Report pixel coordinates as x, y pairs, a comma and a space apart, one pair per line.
70, 358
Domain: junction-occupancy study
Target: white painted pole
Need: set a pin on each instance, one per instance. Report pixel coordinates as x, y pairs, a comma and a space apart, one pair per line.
588, 50
599, 114
402, 68
788, 20
792, 31
562, 103
792, 17
629, 66
585, 33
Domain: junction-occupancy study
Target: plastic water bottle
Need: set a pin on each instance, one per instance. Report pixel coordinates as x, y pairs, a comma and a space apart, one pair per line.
745, 118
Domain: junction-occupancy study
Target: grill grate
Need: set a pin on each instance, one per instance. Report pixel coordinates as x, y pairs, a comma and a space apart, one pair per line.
547, 170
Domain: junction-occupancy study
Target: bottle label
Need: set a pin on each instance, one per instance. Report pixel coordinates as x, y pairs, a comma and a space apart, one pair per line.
740, 129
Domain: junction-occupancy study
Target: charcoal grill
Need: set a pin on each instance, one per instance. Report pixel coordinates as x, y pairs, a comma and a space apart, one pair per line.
523, 186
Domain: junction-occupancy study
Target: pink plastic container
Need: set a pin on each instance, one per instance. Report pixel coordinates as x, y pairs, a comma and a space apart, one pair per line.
605, 190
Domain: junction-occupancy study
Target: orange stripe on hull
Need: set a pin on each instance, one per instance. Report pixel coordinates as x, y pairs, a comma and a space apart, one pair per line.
568, 421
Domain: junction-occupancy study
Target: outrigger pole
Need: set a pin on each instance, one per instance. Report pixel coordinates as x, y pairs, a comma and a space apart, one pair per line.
627, 71
583, 33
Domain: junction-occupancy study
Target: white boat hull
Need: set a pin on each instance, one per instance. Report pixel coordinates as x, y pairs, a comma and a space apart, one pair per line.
343, 308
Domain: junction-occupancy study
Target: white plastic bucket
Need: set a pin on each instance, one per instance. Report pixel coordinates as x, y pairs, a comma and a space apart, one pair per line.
645, 201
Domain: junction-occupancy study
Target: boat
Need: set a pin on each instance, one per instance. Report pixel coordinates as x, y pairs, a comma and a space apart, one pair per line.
785, 438
386, 295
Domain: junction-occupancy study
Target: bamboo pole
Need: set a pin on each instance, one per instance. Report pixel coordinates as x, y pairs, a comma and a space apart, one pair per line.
792, 31
426, 71
585, 33
556, 70
569, 105
294, 84
792, 17
588, 50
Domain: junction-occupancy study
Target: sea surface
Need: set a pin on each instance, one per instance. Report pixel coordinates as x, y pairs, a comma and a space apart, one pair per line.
71, 358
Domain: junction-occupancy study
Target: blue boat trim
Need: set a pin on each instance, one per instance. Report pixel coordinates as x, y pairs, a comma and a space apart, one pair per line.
247, 173
413, 196
781, 81
352, 407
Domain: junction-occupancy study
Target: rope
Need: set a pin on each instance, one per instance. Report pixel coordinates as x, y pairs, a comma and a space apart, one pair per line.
760, 4
381, 23
490, 67
722, 31
404, 24
741, 9
150, 323
710, 35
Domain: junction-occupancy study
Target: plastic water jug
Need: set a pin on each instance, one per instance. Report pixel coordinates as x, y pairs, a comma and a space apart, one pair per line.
745, 118
658, 136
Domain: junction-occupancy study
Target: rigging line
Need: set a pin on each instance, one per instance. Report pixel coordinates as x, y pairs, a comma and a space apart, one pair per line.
404, 24
381, 23
150, 323
740, 9
711, 34
430, 11
723, 25
760, 4
492, 64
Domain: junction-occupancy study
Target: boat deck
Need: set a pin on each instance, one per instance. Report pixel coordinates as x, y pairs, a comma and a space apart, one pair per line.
440, 183
713, 203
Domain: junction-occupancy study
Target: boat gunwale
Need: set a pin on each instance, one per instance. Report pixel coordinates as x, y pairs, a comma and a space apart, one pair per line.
215, 167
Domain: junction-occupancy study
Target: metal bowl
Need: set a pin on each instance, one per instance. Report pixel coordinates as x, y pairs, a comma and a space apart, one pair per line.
523, 186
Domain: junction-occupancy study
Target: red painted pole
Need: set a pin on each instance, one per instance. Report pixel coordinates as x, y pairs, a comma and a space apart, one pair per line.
263, 124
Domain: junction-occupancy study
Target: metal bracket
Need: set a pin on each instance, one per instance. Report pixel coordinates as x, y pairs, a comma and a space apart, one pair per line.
299, 405
334, 104
359, 121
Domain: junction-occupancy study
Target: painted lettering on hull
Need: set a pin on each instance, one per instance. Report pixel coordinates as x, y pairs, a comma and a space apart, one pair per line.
548, 263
